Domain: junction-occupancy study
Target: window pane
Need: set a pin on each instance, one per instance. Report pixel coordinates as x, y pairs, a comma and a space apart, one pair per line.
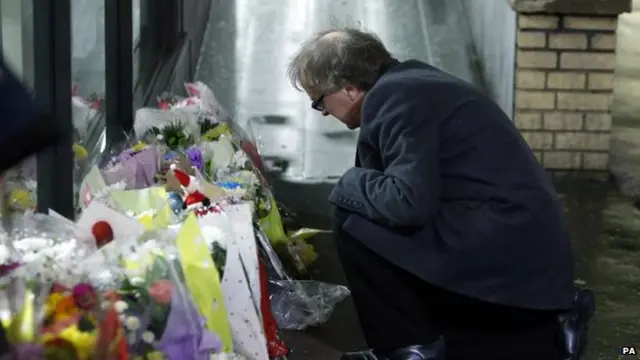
88, 65
88, 69
16, 30
136, 21
17, 49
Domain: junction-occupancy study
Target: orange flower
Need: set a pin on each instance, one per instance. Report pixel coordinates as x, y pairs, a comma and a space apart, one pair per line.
161, 291
66, 306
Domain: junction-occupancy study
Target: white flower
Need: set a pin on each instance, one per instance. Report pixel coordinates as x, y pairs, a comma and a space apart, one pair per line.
105, 305
5, 255
121, 306
131, 338
136, 281
160, 137
31, 185
122, 318
148, 337
132, 323
240, 158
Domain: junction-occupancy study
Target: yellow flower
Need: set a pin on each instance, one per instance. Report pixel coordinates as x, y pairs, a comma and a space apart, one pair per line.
22, 198
80, 152
146, 220
83, 342
139, 146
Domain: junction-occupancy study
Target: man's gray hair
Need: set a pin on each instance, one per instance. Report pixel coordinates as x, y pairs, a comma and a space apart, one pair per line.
336, 58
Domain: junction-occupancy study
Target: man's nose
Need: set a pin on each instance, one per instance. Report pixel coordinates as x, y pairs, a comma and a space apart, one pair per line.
325, 113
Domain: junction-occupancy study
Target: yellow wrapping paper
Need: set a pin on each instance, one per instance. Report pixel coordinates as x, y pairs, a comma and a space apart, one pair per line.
20, 328
203, 282
272, 225
140, 201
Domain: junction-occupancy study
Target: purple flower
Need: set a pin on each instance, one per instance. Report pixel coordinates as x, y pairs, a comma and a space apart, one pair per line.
7, 268
194, 155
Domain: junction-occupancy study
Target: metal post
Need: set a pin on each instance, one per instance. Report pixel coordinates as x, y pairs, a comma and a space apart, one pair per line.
119, 68
52, 84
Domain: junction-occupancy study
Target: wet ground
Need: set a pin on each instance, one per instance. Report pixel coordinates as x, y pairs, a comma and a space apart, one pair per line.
605, 229
625, 142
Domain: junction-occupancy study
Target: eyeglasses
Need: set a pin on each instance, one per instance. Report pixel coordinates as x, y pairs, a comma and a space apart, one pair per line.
318, 104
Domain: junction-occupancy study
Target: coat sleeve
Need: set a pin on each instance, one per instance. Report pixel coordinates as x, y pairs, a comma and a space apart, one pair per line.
407, 191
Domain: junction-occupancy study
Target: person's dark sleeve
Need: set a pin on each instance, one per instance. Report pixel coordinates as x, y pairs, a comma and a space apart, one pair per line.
407, 191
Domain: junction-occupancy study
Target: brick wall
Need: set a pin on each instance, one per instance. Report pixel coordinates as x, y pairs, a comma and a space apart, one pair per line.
563, 88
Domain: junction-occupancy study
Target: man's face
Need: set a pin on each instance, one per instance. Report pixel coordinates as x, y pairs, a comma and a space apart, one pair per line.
344, 105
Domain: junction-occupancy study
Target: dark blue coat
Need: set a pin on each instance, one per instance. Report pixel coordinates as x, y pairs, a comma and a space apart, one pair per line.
448, 190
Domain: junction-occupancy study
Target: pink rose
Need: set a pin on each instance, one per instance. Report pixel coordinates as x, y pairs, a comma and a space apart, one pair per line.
161, 291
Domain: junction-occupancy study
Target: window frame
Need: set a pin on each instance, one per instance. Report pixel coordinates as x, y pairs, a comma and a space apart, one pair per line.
118, 69
52, 87
163, 43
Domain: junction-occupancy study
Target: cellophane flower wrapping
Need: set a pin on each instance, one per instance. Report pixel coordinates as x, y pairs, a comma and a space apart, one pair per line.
21, 181
233, 162
201, 135
149, 205
134, 163
86, 110
296, 304
94, 188
48, 244
48, 312
21, 297
299, 304
160, 318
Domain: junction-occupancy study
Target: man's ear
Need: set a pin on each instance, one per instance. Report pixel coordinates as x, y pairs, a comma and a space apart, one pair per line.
352, 93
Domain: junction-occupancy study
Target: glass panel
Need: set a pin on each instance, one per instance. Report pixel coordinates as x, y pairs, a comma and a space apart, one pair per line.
88, 66
17, 37
17, 48
136, 21
88, 77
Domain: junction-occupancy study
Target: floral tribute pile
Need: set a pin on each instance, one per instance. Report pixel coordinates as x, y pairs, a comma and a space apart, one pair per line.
176, 252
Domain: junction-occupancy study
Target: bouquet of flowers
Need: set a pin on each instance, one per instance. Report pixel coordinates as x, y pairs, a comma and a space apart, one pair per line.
50, 313
21, 180
22, 183
226, 157
136, 166
46, 243
67, 324
85, 111
148, 292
